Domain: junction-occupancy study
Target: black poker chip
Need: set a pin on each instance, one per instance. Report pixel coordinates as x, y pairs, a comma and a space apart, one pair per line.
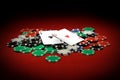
91, 35
59, 46
96, 47
31, 45
25, 42
31, 42
12, 44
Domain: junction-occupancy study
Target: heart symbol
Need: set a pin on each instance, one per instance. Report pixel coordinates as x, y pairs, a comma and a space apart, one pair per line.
67, 36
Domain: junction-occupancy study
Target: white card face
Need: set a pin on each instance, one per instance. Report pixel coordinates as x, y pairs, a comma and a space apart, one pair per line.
68, 37
48, 38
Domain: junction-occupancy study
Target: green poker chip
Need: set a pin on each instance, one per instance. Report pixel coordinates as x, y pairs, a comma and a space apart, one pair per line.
38, 53
88, 52
53, 58
88, 29
38, 47
24, 33
50, 49
27, 50
19, 48
81, 34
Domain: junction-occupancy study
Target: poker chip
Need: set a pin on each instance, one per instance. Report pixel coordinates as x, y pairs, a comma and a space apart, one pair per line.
96, 47
88, 32
91, 39
75, 30
53, 58
19, 48
31, 41
64, 52
24, 33
88, 29
59, 46
31, 45
21, 37
38, 47
88, 52
32, 34
84, 43
81, 34
27, 50
92, 35
103, 43
101, 38
12, 44
80, 48
87, 41
15, 40
50, 50
72, 47
38, 53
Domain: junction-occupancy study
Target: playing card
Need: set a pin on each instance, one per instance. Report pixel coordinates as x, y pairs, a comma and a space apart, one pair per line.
48, 38
68, 37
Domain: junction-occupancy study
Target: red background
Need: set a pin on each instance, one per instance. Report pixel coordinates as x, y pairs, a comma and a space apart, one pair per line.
103, 65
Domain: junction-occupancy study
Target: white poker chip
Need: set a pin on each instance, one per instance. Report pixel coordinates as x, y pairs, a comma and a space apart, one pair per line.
68, 49
21, 36
15, 40
72, 47
30, 37
64, 52
87, 32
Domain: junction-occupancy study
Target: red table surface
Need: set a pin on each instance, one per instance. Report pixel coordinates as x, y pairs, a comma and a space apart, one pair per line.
104, 64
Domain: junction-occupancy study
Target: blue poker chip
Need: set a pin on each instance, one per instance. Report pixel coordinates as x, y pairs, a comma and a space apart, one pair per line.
80, 49
75, 30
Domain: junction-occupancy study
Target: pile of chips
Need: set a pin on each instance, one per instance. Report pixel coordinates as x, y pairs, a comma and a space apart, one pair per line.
29, 41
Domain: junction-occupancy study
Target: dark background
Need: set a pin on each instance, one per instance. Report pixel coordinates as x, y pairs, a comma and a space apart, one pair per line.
104, 9
13, 11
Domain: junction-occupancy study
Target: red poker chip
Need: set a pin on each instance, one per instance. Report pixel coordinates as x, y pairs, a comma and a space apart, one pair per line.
101, 38
84, 43
91, 39
32, 34
103, 43
35, 30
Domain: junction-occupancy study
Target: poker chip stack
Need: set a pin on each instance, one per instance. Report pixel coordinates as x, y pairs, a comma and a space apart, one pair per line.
58, 42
